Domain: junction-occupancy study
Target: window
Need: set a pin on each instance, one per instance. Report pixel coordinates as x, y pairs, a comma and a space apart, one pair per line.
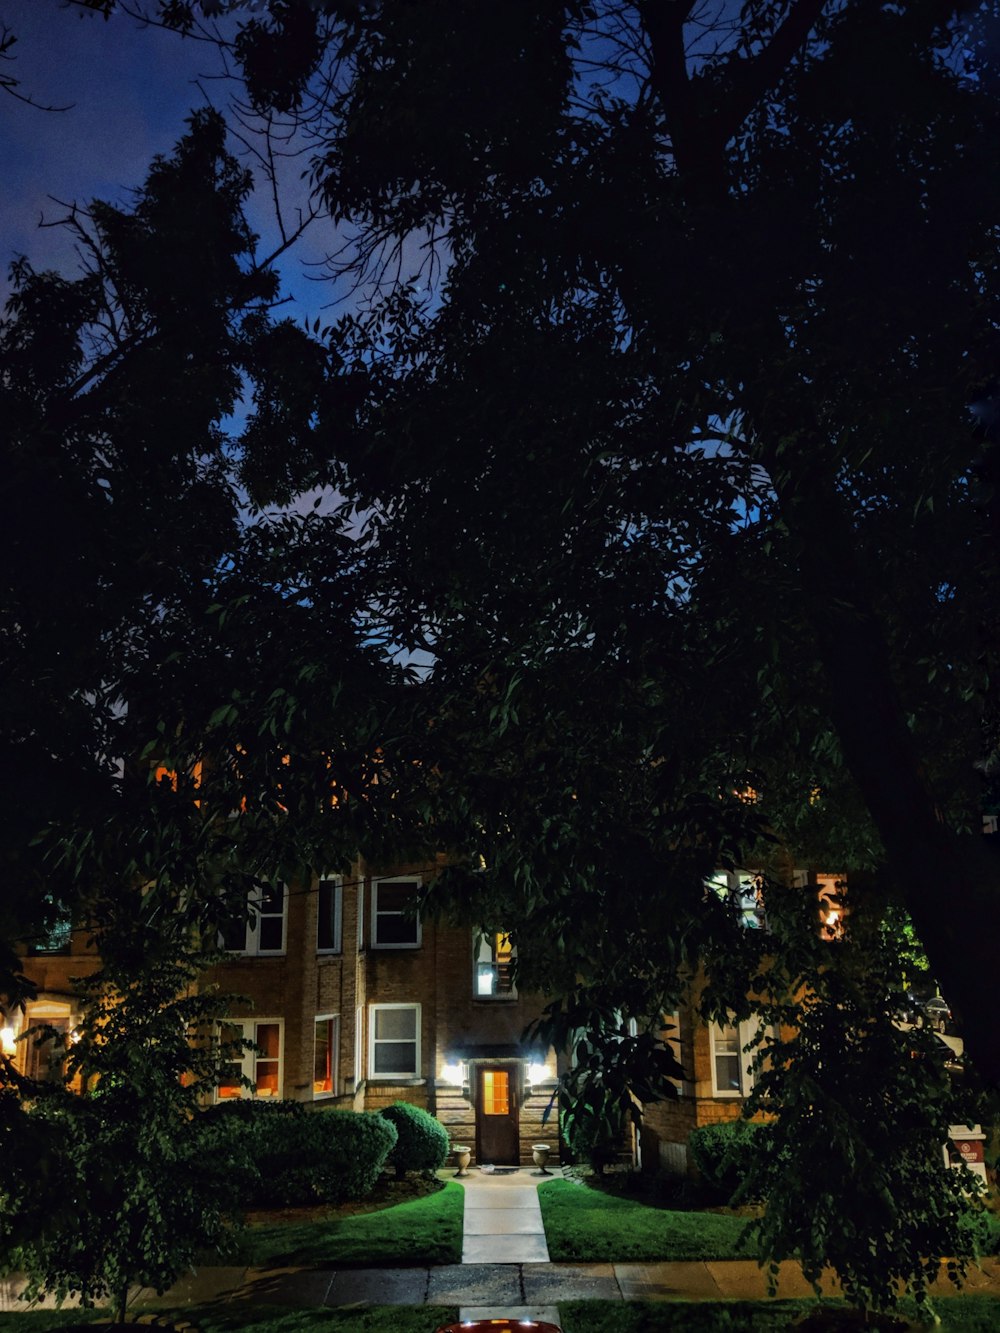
732, 1063
264, 931
261, 1063
743, 888
326, 1055
330, 891
496, 1092
47, 1035
395, 924
394, 1041
832, 905
494, 972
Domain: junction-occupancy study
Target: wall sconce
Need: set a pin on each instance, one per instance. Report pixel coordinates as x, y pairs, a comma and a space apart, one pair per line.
538, 1074
7, 1041
453, 1073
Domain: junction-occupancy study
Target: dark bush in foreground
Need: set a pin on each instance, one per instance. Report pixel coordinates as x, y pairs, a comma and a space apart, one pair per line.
288, 1156
725, 1154
422, 1143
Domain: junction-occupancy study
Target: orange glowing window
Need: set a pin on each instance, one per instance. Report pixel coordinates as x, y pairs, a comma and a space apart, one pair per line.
496, 1092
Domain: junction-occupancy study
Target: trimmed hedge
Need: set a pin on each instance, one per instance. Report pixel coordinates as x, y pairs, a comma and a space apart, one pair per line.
286, 1156
422, 1142
725, 1153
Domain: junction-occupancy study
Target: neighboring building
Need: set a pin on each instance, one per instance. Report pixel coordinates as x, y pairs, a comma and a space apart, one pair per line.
354, 1002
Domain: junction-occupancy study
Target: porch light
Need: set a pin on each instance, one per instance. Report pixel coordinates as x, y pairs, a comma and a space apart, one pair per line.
454, 1074
7, 1041
538, 1073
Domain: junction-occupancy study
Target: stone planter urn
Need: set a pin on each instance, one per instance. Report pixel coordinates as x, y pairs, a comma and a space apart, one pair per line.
540, 1155
463, 1156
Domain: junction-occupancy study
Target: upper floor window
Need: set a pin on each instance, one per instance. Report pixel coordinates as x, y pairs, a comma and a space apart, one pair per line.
494, 976
260, 1064
263, 931
832, 907
395, 923
330, 892
745, 889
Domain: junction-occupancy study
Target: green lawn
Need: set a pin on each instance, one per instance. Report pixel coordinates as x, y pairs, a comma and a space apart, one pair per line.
426, 1230
586, 1224
960, 1314
263, 1319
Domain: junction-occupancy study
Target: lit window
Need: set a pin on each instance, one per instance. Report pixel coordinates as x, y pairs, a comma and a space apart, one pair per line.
259, 1064
495, 1092
744, 888
326, 1053
395, 924
494, 976
330, 893
263, 931
394, 1041
47, 1035
832, 909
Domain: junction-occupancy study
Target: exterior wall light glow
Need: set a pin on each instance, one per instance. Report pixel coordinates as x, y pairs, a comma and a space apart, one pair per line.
7, 1041
453, 1073
538, 1073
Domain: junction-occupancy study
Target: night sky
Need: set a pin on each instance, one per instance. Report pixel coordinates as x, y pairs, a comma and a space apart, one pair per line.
130, 90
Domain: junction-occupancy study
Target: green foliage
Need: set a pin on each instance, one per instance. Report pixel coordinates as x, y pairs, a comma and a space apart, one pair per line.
863, 1103
617, 1069
422, 1143
726, 1154
298, 1157
117, 1191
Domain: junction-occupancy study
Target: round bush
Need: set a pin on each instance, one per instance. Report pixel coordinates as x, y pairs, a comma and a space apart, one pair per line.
422, 1142
725, 1154
297, 1157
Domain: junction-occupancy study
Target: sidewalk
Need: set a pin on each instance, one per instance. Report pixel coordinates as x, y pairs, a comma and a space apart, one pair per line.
504, 1271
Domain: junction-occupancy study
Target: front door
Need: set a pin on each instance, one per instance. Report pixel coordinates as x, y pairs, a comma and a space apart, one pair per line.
496, 1116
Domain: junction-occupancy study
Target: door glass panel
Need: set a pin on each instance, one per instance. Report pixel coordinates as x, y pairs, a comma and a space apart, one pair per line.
496, 1092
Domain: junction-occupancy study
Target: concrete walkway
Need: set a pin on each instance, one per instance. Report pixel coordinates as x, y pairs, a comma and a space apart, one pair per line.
503, 1226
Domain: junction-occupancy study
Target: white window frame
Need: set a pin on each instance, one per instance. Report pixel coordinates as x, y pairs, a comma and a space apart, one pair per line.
388, 1076
746, 1032
334, 1089
376, 886
359, 1046
337, 884
728, 883
248, 1061
483, 942
251, 939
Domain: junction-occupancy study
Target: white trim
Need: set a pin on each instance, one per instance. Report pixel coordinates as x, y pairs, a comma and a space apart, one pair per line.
359, 1045
387, 1075
376, 914
252, 925
745, 1034
338, 914
334, 1089
250, 1059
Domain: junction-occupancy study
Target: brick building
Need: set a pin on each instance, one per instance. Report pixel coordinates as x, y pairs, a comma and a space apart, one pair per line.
353, 1002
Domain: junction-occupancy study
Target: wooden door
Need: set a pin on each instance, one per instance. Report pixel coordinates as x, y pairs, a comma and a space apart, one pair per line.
497, 1139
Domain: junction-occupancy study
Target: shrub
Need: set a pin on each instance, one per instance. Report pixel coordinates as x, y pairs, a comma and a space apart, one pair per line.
299, 1157
725, 1154
422, 1143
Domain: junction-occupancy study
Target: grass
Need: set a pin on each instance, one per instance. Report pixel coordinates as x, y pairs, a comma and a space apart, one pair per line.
261, 1319
422, 1230
961, 1314
586, 1224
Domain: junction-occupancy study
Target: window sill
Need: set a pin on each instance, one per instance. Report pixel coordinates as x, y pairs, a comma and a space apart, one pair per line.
398, 1080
